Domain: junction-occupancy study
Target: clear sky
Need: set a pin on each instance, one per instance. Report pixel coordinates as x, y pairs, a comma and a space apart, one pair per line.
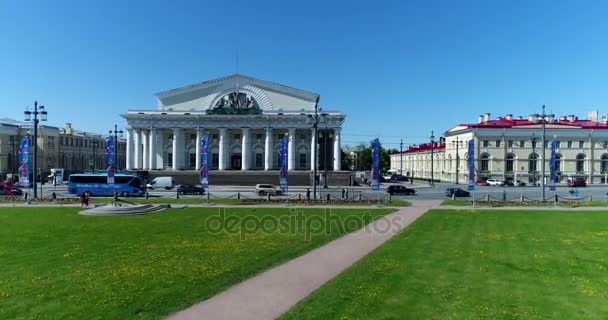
397, 69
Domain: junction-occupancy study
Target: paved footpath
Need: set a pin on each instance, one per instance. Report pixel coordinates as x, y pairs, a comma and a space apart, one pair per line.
271, 293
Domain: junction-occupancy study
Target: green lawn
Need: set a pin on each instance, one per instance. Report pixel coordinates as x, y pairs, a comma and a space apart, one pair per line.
56, 264
470, 264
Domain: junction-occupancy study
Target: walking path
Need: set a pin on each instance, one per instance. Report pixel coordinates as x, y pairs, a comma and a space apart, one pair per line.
271, 293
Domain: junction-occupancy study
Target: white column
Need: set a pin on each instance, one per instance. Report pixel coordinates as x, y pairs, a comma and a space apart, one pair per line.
291, 149
222, 151
152, 150
313, 150
198, 148
137, 141
145, 153
268, 154
160, 149
337, 150
178, 149
129, 150
245, 163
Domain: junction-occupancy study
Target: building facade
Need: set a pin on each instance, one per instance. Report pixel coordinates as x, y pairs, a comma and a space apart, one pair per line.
244, 118
66, 148
509, 148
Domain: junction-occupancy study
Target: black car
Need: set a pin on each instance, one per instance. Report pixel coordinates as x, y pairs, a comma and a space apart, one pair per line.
190, 189
396, 190
511, 183
457, 192
399, 178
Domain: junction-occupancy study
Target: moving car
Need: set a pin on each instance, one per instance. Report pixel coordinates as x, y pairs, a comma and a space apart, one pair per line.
482, 183
577, 182
161, 182
190, 189
518, 183
11, 191
264, 189
457, 192
494, 182
396, 190
398, 177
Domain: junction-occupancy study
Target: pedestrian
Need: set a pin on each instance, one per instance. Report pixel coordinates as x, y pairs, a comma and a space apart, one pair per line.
307, 194
343, 193
82, 200
86, 199
346, 194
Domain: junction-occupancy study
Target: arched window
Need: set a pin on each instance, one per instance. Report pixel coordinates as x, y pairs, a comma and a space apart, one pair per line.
533, 162
605, 163
580, 163
558, 162
485, 162
510, 162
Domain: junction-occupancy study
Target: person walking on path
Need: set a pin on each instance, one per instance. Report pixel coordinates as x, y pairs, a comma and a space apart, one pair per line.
307, 194
82, 196
86, 199
343, 193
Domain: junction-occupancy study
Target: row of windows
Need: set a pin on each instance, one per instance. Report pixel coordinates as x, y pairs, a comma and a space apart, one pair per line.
237, 136
522, 144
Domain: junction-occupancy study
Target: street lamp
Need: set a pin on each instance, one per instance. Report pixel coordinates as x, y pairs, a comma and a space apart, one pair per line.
534, 159
116, 133
28, 117
457, 143
326, 136
401, 157
432, 149
13, 169
314, 120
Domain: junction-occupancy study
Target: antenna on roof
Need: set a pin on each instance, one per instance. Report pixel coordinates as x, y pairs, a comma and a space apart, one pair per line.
236, 62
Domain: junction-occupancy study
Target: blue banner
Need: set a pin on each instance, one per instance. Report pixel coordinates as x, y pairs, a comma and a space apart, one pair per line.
204, 169
471, 165
376, 164
283, 164
552, 168
24, 162
110, 160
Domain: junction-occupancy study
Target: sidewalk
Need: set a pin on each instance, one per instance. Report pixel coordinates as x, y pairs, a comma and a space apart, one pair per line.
271, 293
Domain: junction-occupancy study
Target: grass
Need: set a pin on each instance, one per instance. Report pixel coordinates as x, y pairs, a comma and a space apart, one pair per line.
56, 264
459, 202
392, 202
475, 264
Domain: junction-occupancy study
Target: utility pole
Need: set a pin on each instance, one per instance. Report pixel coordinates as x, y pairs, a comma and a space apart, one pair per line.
535, 159
401, 157
432, 149
315, 123
116, 132
457, 158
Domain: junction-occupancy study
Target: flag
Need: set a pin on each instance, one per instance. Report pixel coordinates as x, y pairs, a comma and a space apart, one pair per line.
204, 169
24, 162
283, 164
110, 160
552, 168
471, 165
376, 164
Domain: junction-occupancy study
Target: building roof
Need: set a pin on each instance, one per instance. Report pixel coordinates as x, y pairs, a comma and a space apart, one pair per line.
534, 121
425, 147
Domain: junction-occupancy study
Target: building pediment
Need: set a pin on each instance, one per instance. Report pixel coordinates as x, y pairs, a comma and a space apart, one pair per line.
236, 94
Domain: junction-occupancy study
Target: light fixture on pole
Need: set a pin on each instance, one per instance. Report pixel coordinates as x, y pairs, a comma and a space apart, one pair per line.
314, 120
38, 110
401, 157
457, 143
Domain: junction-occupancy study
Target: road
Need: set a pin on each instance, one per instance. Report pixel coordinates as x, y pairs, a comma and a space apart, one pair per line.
423, 192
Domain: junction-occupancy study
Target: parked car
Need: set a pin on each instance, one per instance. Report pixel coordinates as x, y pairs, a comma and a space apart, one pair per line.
399, 178
457, 192
11, 191
578, 182
518, 183
161, 182
264, 189
494, 182
396, 190
481, 183
190, 189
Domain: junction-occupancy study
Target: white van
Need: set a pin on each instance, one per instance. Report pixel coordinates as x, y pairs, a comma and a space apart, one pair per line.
161, 182
57, 175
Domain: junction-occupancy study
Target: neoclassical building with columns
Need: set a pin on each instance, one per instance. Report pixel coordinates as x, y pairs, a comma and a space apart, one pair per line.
244, 118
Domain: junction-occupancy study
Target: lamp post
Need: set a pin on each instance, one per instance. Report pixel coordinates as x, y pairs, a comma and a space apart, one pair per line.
542, 164
432, 149
13, 142
314, 119
116, 132
28, 117
534, 159
401, 157
457, 142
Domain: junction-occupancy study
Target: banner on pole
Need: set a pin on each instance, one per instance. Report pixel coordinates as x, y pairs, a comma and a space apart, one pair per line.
110, 160
283, 164
204, 169
24, 162
471, 165
552, 168
376, 164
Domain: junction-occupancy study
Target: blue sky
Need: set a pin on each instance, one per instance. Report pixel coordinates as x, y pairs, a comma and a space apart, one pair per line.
398, 69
